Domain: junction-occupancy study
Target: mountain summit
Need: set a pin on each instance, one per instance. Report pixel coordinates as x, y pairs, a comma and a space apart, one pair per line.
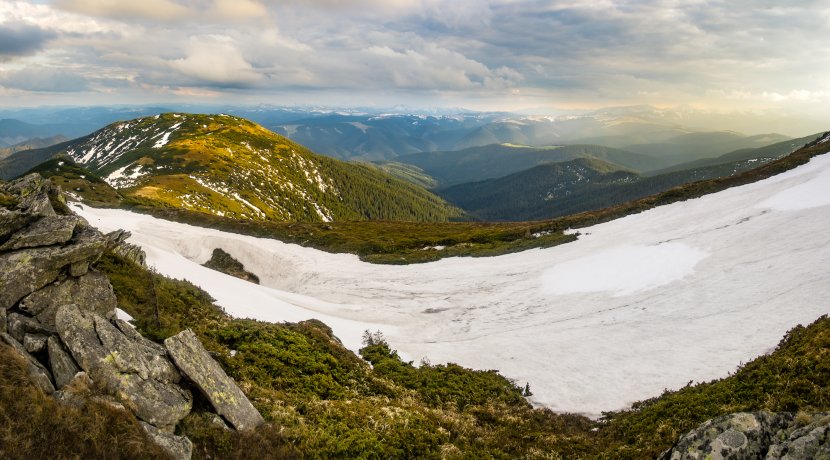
229, 166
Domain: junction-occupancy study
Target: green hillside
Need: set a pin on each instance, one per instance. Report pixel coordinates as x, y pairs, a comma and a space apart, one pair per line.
498, 160
559, 189
539, 192
228, 166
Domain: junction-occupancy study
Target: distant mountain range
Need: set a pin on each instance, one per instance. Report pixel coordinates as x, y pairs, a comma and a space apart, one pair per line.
556, 189
228, 166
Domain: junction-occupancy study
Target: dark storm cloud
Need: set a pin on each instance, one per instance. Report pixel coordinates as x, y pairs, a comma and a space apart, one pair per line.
22, 39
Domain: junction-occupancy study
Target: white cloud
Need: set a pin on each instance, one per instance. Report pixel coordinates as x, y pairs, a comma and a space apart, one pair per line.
163, 10
215, 60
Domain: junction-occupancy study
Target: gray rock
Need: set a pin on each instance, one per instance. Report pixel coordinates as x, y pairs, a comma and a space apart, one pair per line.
811, 441
34, 193
126, 250
79, 269
20, 325
136, 375
92, 291
37, 372
28, 270
34, 343
222, 392
46, 231
63, 365
179, 447
756, 435
3, 322
131, 333
12, 221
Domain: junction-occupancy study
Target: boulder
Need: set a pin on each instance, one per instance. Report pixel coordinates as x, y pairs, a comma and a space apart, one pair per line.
808, 441
25, 271
12, 221
63, 366
37, 372
34, 193
756, 435
3, 321
222, 392
139, 376
179, 447
20, 325
46, 231
92, 291
35, 343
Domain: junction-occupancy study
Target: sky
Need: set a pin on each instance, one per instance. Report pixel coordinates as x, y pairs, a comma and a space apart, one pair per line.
512, 55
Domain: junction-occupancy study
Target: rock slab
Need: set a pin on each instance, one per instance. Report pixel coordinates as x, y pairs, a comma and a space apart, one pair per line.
194, 361
140, 377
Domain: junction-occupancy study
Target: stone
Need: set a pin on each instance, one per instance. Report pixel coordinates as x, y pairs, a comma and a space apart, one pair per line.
12, 221
20, 325
37, 372
810, 441
92, 291
34, 193
35, 343
196, 364
46, 231
79, 269
3, 322
63, 365
768, 435
136, 375
179, 447
25, 271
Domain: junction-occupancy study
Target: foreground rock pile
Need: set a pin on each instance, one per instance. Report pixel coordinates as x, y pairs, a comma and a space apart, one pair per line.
756, 435
60, 316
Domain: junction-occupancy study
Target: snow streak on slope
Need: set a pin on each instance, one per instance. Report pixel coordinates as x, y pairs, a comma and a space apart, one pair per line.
647, 302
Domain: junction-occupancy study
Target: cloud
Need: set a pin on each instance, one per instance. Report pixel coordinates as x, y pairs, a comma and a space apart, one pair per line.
43, 79
22, 39
160, 10
214, 60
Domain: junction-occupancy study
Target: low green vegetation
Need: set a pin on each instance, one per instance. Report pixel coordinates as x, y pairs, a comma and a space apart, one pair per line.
323, 401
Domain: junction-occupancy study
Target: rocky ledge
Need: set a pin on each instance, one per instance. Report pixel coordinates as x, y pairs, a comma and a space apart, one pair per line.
60, 316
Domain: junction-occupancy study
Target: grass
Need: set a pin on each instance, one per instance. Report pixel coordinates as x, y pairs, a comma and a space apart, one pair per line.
323, 401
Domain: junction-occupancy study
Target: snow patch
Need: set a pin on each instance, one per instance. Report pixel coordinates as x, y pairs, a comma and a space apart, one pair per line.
623, 270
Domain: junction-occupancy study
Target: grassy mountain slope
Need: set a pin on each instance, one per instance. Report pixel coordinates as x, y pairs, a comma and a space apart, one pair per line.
543, 190
498, 160
31, 144
228, 166
558, 189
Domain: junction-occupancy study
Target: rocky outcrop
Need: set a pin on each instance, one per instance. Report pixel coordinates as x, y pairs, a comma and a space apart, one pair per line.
140, 378
222, 392
93, 291
223, 262
754, 435
126, 250
59, 315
